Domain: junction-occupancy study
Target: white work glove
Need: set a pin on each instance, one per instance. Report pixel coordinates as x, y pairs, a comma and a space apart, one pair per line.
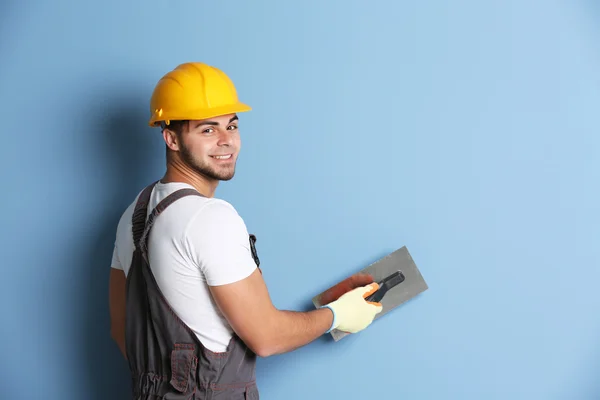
351, 312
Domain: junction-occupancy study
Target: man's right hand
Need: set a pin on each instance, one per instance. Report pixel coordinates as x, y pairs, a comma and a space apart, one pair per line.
352, 313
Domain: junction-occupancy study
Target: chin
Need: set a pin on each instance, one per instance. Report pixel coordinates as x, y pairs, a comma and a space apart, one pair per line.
226, 176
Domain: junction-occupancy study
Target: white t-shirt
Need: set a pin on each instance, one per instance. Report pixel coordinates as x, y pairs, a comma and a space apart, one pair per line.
195, 242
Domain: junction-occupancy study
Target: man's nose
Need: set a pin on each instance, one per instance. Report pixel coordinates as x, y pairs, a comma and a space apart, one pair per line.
225, 139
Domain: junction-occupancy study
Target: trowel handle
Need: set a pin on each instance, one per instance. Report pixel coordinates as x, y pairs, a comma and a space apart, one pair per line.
392, 280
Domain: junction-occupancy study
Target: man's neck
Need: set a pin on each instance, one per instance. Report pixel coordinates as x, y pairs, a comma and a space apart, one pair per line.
203, 185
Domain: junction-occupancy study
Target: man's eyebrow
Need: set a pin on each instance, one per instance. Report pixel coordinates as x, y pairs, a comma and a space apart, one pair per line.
215, 123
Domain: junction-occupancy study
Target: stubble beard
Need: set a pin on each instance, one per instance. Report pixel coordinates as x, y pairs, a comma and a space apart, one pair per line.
223, 174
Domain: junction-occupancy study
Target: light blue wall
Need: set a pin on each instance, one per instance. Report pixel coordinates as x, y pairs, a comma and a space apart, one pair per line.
465, 131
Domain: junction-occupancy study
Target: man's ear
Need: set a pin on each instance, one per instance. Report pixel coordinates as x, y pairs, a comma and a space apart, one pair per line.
171, 139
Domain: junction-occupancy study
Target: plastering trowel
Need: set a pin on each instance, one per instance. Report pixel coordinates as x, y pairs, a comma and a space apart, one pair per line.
399, 280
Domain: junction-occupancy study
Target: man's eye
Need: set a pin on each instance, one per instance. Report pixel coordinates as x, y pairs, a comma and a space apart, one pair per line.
207, 130
232, 127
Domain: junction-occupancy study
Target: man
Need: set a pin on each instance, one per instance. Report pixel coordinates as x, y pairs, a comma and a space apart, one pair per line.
189, 308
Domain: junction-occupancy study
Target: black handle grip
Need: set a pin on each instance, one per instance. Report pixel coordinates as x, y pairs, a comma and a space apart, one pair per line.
392, 280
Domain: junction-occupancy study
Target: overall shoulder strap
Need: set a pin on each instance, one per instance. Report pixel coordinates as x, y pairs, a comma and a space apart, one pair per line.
166, 202
139, 213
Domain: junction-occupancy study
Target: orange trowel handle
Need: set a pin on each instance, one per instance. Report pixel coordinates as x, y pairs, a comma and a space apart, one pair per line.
348, 284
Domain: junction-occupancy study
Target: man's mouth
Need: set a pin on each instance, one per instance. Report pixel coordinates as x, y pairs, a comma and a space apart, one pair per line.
224, 157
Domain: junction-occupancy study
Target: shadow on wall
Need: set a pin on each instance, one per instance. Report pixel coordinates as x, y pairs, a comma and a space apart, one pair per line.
126, 155
8, 13
9, 31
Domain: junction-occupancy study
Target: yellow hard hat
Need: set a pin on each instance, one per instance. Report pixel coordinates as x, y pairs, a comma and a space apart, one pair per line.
193, 91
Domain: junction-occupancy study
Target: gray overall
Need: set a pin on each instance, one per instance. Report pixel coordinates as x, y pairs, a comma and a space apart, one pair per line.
166, 359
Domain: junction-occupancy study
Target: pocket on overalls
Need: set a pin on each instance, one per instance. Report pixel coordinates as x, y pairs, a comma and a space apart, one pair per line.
183, 367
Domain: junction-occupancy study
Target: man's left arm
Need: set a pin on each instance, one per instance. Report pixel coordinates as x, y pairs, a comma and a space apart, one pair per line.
116, 298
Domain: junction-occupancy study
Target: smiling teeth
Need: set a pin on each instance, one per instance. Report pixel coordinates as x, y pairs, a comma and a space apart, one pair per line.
222, 157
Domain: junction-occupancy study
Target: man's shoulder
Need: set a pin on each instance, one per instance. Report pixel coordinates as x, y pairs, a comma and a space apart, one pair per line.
192, 213
194, 206
215, 212
220, 207
215, 223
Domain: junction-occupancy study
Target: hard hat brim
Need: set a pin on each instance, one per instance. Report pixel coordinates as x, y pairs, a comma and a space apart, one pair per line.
201, 114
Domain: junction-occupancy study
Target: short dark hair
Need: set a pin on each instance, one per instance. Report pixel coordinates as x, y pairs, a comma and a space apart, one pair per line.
175, 126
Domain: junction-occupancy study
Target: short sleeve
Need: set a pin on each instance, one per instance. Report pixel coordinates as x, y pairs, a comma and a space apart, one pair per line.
123, 245
116, 263
219, 244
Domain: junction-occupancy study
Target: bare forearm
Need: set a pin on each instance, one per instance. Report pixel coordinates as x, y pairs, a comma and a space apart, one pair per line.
292, 329
117, 308
119, 338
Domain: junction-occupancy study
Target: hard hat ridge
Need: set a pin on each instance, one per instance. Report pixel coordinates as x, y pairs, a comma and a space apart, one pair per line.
194, 91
